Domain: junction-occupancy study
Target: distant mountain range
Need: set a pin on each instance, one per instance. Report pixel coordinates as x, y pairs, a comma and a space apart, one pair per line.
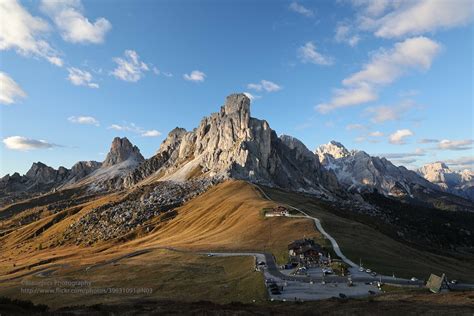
456, 182
230, 144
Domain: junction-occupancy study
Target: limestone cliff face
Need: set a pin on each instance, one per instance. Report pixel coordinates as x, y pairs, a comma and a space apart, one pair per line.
232, 144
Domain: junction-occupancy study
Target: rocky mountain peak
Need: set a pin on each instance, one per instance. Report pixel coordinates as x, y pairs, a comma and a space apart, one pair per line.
231, 144
173, 139
38, 169
456, 182
434, 166
40, 173
333, 148
237, 103
121, 150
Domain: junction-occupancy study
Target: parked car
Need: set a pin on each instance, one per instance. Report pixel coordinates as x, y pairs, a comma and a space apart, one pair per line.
374, 273
342, 295
210, 255
454, 282
413, 279
327, 271
361, 269
368, 270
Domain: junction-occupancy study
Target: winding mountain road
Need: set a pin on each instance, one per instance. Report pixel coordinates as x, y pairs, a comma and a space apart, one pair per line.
317, 222
356, 275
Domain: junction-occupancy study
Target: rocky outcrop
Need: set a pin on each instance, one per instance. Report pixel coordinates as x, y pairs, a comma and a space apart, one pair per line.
332, 150
120, 151
41, 178
82, 169
232, 144
122, 158
455, 182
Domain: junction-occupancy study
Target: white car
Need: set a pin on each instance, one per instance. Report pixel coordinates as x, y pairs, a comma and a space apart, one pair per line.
413, 279
361, 269
368, 270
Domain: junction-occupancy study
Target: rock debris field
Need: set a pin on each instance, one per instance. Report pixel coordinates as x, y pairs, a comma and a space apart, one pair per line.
115, 220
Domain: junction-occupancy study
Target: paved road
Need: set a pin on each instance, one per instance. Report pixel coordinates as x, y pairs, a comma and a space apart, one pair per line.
356, 275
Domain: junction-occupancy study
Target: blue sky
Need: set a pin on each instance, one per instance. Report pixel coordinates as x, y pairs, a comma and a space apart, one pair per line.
390, 78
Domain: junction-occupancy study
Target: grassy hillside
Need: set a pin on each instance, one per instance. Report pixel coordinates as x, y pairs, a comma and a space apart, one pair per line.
227, 217
378, 251
170, 275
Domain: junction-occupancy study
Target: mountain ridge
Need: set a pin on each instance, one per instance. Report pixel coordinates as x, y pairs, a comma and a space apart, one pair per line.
230, 144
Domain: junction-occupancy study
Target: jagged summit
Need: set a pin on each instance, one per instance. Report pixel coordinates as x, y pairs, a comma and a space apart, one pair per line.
232, 144
237, 102
456, 182
120, 151
434, 167
333, 148
42, 178
357, 170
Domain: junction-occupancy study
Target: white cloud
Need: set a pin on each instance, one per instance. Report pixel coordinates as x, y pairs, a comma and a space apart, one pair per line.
252, 96
55, 61
362, 93
10, 91
298, 8
461, 163
130, 68
398, 138
151, 133
80, 77
388, 65
376, 134
133, 128
264, 85
446, 144
195, 76
351, 127
372, 7
344, 34
417, 17
24, 33
308, 54
385, 67
117, 127
417, 153
86, 120
382, 114
23, 143
428, 141
73, 25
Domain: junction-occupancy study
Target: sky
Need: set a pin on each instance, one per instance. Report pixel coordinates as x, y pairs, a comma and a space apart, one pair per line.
392, 78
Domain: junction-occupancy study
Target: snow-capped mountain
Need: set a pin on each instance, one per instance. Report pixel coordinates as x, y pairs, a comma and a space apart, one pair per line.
456, 182
358, 171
